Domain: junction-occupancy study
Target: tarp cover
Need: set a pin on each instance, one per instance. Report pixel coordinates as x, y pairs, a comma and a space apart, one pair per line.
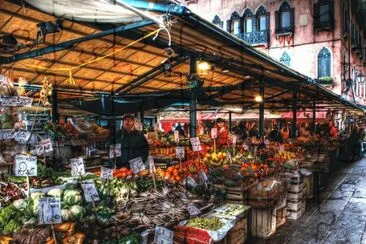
89, 11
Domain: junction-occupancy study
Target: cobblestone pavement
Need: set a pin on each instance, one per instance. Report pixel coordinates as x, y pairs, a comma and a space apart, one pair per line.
338, 217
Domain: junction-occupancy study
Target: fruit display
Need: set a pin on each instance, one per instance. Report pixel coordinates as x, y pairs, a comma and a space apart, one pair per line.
216, 159
255, 169
176, 173
212, 223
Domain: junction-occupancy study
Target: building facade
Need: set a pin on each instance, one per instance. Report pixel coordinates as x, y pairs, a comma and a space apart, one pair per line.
319, 38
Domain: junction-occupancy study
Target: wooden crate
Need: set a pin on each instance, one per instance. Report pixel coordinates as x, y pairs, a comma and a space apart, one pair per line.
281, 216
264, 222
309, 185
238, 234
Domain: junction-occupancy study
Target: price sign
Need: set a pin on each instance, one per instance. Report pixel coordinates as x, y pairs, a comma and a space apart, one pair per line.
176, 136
245, 147
196, 144
163, 235
10, 102
25, 165
234, 139
179, 152
7, 134
115, 151
193, 210
229, 158
77, 167
25, 101
282, 148
22, 136
106, 173
45, 146
137, 165
50, 210
90, 192
151, 164
203, 176
214, 133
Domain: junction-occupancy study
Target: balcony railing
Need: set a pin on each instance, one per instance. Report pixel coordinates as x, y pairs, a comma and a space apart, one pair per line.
255, 37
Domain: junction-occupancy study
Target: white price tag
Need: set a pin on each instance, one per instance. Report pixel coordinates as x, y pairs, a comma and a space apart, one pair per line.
22, 136
152, 168
203, 176
45, 146
180, 152
7, 134
234, 139
176, 136
114, 151
229, 158
163, 235
77, 167
282, 148
193, 210
25, 165
106, 173
137, 165
90, 192
50, 210
214, 133
196, 144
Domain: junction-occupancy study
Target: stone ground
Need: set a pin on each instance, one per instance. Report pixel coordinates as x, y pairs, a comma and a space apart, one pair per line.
338, 217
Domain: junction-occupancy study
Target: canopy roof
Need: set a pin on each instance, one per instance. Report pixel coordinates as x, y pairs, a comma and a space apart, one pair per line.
139, 71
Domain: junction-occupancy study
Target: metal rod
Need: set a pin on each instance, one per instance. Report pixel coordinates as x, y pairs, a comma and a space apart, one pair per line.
261, 109
294, 115
54, 106
68, 44
314, 116
193, 102
157, 7
230, 121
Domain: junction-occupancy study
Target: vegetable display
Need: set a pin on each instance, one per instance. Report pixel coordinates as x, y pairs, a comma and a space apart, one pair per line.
212, 223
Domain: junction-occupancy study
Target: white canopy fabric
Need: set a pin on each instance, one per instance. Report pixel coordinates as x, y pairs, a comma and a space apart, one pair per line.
87, 10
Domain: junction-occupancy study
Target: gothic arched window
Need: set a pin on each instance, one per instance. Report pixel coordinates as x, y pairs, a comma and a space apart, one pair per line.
285, 59
324, 63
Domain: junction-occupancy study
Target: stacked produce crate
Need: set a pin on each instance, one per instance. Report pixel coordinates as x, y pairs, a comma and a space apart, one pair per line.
296, 196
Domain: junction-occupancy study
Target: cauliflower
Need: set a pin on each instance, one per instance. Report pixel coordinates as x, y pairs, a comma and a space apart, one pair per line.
55, 193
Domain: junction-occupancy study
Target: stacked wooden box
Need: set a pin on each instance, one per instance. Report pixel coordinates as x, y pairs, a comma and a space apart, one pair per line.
296, 196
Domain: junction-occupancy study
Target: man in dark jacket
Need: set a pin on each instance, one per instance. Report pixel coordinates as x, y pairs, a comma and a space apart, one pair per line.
133, 142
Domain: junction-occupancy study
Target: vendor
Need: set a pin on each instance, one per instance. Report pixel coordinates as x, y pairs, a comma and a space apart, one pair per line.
222, 133
275, 134
133, 142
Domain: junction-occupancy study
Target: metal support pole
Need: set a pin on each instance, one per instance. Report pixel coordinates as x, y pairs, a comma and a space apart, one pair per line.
294, 115
54, 106
230, 122
142, 117
193, 102
314, 115
261, 110
114, 129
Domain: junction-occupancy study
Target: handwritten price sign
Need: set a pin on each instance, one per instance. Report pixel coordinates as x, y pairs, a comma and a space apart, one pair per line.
152, 168
163, 235
45, 146
180, 152
214, 133
7, 134
77, 167
115, 151
25, 165
16, 101
90, 192
22, 136
106, 173
193, 210
196, 144
50, 210
137, 165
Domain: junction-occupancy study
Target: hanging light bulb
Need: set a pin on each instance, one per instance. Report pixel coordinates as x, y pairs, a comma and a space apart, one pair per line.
203, 67
258, 99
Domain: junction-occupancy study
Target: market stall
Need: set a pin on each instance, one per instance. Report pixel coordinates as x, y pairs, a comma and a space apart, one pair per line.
60, 181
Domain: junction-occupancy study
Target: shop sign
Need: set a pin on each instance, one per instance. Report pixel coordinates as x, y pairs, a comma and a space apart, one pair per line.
196, 144
50, 210
77, 167
137, 165
16, 101
163, 235
25, 165
180, 152
90, 191
106, 173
